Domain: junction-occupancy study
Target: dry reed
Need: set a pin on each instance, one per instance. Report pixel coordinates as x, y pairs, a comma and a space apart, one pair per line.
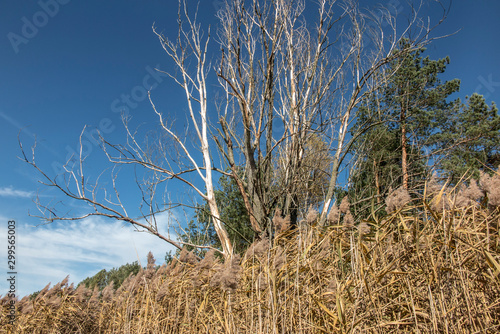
418, 269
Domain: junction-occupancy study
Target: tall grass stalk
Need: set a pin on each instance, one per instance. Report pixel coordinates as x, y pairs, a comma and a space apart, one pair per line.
430, 266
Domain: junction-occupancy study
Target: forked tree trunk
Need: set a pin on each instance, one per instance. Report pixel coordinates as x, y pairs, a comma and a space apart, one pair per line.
227, 248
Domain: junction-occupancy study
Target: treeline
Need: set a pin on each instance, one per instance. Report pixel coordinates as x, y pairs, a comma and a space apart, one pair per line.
113, 278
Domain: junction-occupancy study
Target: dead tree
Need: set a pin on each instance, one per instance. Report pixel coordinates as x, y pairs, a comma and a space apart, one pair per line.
310, 77
285, 81
189, 54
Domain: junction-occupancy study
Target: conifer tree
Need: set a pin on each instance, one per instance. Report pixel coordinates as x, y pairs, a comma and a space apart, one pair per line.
415, 102
470, 140
401, 118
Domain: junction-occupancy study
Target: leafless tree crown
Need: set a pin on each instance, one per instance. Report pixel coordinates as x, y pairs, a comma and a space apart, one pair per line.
290, 89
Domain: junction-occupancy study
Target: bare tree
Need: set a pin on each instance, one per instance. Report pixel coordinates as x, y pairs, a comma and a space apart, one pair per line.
276, 67
275, 71
285, 81
190, 48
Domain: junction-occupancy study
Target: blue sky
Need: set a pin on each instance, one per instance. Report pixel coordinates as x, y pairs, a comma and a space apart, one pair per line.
77, 63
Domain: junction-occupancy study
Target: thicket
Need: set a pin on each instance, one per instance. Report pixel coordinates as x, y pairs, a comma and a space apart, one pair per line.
430, 265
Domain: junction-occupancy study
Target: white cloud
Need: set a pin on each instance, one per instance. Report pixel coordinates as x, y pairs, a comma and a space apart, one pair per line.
11, 192
49, 253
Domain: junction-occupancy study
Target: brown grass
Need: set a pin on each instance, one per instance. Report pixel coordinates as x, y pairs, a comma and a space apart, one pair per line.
416, 270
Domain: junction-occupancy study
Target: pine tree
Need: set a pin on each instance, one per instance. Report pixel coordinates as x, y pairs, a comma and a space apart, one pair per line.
469, 141
415, 102
401, 121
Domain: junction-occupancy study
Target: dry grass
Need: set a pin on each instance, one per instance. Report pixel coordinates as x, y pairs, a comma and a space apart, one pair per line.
420, 269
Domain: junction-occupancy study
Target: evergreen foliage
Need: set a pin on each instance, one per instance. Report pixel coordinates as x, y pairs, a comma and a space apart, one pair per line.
471, 140
402, 122
233, 214
115, 276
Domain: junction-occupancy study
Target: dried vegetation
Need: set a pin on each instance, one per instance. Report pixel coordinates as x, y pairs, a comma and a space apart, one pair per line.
431, 266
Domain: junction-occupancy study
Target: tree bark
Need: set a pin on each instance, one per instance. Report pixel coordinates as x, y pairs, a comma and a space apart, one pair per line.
404, 153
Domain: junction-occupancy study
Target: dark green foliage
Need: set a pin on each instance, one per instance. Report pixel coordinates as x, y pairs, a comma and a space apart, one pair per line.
34, 294
415, 97
233, 214
411, 113
471, 140
115, 275
118, 275
379, 167
169, 257
399, 124
100, 280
